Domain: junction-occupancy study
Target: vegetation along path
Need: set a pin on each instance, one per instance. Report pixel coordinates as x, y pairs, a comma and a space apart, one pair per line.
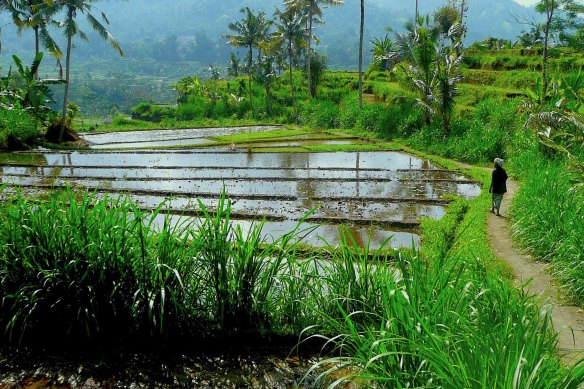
568, 319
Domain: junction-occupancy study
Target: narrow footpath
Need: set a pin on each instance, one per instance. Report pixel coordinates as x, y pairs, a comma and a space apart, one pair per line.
568, 320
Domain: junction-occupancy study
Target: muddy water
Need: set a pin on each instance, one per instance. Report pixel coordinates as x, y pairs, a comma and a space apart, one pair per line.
210, 173
318, 190
153, 138
379, 194
184, 159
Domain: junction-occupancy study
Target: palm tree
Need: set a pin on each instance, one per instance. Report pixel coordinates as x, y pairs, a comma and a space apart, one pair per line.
432, 72
265, 73
418, 46
36, 16
361, 54
290, 34
233, 68
72, 8
381, 48
249, 32
314, 11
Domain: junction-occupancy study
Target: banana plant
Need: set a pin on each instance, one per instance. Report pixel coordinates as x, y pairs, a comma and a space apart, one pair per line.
561, 130
34, 95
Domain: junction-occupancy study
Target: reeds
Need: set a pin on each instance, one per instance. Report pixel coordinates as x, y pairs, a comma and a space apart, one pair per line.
76, 267
548, 217
441, 325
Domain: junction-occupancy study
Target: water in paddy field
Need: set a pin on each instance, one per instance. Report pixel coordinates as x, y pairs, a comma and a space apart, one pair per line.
161, 138
378, 195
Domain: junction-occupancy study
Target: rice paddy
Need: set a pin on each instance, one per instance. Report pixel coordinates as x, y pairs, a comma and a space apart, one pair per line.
377, 194
214, 244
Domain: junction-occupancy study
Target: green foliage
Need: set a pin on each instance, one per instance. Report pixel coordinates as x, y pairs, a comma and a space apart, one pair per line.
480, 139
381, 48
18, 128
431, 318
27, 91
192, 109
187, 86
321, 114
318, 66
150, 112
547, 215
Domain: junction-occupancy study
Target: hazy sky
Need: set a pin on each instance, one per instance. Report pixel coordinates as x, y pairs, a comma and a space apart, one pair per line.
526, 2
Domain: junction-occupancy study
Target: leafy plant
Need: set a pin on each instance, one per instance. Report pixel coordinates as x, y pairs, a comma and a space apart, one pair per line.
31, 93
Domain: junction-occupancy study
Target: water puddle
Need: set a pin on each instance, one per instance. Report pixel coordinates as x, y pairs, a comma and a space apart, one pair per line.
387, 160
210, 173
379, 195
153, 144
153, 138
300, 143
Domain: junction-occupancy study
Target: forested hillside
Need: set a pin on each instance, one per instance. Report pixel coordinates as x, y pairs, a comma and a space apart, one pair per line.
164, 41
192, 30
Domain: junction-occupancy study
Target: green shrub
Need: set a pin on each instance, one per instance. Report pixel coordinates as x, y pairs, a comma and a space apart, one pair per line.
151, 112
18, 129
349, 112
189, 111
368, 118
120, 120
321, 114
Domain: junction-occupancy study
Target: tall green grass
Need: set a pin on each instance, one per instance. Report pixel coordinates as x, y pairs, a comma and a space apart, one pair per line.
442, 324
18, 128
547, 215
479, 138
76, 267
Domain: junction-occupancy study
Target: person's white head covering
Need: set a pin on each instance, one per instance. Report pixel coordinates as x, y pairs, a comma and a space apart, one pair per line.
499, 162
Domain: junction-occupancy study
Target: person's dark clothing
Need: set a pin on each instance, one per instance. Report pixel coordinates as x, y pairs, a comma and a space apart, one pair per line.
499, 181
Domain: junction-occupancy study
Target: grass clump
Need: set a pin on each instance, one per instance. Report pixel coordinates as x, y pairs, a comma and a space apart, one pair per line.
547, 214
441, 324
18, 129
83, 268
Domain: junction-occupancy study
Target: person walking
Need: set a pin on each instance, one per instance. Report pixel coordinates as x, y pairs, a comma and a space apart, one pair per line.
498, 185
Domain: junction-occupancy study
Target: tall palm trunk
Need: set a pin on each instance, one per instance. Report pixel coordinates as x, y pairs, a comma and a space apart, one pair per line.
416, 13
67, 67
361, 54
37, 49
309, 54
549, 14
292, 81
249, 71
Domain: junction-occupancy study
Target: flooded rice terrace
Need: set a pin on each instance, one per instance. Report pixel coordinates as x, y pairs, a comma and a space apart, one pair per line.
376, 194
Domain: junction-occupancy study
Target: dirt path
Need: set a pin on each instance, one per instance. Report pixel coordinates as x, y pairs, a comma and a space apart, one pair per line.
568, 319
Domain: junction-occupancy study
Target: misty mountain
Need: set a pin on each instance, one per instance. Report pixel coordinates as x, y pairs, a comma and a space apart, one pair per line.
193, 29
165, 40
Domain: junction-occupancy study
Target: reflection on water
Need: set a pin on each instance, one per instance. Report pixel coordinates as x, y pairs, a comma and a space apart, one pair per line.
309, 190
320, 236
23, 159
206, 173
366, 190
188, 134
341, 160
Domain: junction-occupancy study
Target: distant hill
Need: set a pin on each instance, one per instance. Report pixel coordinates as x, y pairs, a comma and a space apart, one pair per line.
165, 40
152, 28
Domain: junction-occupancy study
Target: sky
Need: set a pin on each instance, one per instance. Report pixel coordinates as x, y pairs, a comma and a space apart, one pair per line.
526, 2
